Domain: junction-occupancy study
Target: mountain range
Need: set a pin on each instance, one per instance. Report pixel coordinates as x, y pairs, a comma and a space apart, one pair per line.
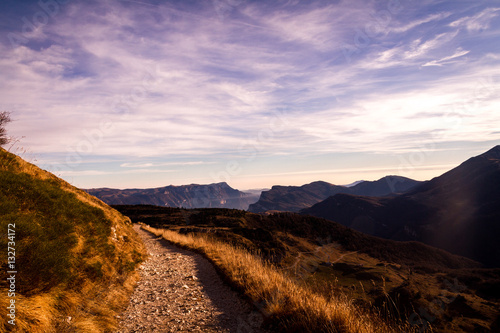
218, 195
458, 211
295, 198
221, 195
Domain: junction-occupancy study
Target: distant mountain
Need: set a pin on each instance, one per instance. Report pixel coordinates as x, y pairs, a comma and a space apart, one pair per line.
295, 198
219, 195
355, 183
458, 211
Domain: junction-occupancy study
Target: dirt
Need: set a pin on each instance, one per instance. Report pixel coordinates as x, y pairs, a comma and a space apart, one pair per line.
180, 291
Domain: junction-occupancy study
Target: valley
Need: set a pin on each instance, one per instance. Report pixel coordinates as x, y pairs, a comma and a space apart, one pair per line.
405, 282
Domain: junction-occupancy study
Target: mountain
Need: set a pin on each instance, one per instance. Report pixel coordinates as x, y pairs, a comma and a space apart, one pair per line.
219, 195
295, 198
70, 255
355, 183
458, 211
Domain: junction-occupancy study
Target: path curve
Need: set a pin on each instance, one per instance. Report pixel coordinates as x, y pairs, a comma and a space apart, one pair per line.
180, 291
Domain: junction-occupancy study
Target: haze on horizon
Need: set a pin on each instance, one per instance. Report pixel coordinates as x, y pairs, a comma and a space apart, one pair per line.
150, 93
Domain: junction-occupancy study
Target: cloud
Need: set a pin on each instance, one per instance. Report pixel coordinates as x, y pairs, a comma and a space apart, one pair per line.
413, 24
446, 60
419, 48
148, 165
415, 52
478, 22
72, 173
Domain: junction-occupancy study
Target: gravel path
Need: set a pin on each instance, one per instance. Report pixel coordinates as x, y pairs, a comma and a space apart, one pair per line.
180, 291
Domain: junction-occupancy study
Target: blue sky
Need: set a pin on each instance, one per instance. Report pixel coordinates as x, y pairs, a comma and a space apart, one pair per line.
150, 93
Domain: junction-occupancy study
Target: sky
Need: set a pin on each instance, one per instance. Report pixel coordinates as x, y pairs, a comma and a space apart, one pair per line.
149, 93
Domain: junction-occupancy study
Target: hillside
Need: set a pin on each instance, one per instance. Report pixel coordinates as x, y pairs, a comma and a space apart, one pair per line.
393, 277
73, 257
219, 195
295, 198
458, 211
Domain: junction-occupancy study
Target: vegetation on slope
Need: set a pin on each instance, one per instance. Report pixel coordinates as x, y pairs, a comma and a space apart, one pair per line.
74, 255
290, 306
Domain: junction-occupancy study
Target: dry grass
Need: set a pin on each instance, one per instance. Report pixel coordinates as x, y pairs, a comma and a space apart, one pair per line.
287, 304
98, 275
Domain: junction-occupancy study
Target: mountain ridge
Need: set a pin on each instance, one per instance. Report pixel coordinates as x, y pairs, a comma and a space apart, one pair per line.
295, 198
215, 195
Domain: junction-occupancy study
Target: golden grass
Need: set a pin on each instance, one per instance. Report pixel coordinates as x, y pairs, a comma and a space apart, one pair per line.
91, 304
92, 308
287, 303
14, 163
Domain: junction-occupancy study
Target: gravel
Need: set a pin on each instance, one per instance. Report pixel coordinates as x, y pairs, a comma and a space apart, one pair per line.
180, 291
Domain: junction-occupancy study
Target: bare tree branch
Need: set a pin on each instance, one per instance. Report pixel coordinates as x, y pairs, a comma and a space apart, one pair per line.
4, 119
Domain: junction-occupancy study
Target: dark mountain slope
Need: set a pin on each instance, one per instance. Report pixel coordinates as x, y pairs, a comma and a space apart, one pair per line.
384, 186
458, 211
219, 195
295, 198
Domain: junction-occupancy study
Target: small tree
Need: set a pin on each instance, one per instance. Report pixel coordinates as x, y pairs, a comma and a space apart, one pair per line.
4, 119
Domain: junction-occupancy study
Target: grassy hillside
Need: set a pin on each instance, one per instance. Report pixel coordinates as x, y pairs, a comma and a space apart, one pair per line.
347, 271
74, 255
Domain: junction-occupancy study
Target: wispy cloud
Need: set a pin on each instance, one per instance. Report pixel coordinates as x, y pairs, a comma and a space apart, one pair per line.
478, 22
148, 165
72, 173
446, 60
405, 27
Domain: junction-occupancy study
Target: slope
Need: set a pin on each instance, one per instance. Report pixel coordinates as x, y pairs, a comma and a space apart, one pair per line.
458, 211
74, 255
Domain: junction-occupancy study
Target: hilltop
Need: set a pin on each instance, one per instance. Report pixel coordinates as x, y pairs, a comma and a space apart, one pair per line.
74, 255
